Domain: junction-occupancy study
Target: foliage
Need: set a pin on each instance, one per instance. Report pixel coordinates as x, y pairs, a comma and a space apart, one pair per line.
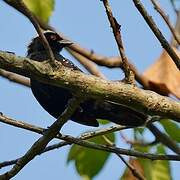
42, 9
172, 129
151, 170
89, 162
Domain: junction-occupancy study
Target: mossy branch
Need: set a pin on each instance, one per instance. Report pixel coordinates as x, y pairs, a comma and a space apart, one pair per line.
141, 100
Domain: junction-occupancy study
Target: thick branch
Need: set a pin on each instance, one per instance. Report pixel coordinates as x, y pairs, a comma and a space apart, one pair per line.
147, 102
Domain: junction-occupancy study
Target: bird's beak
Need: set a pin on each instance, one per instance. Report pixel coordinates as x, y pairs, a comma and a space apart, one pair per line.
65, 42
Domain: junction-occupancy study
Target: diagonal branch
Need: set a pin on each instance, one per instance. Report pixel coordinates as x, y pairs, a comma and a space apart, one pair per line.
42, 142
177, 30
166, 19
129, 75
15, 78
163, 138
174, 6
89, 65
157, 32
39, 130
133, 170
22, 8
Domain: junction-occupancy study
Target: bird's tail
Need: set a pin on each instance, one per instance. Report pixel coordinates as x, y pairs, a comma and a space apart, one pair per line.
119, 114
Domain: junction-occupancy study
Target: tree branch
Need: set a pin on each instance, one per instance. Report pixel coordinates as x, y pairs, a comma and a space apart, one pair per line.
166, 19
70, 140
157, 32
110, 62
39, 130
129, 75
22, 8
42, 142
164, 139
15, 78
147, 102
177, 30
133, 170
89, 65
174, 6
119, 150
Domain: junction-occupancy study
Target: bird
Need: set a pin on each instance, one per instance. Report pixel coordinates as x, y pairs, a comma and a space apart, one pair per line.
55, 99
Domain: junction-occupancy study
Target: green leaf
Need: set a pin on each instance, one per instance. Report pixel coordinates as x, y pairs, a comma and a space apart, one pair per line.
41, 8
160, 149
89, 162
145, 149
140, 130
172, 129
147, 167
103, 121
154, 170
161, 169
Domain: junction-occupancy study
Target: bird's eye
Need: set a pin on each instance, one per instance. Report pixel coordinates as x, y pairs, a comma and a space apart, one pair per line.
53, 37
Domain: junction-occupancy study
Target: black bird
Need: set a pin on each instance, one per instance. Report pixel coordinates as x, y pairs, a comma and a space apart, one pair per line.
54, 99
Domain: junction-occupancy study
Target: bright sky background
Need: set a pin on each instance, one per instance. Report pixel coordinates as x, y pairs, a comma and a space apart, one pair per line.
86, 23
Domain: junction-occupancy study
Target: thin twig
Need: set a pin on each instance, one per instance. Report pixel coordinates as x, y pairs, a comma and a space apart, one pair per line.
177, 30
119, 150
39, 130
23, 8
78, 141
89, 65
69, 140
131, 167
110, 62
129, 75
166, 19
164, 139
15, 78
72, 140
42, 142
157, 32
174, 6
137, 142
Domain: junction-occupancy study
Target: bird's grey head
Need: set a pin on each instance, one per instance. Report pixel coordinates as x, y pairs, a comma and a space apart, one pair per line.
55, 41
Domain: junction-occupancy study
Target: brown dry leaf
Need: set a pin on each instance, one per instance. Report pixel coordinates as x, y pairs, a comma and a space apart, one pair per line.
136, 164
164, 76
